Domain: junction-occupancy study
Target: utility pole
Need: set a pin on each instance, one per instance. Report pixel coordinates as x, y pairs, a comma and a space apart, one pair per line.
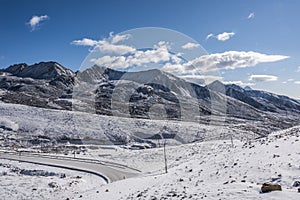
165, 156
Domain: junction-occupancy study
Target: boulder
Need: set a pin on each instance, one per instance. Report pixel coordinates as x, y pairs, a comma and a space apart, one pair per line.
269, 187
53, 185
296, 184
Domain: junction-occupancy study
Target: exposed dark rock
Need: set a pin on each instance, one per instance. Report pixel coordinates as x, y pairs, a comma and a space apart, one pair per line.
296, 184
269, 187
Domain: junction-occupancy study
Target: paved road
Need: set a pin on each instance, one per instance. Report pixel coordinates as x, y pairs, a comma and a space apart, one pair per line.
109, 171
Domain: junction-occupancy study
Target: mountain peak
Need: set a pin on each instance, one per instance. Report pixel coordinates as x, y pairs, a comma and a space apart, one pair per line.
42, 70
217, 86
16, 68
234, 86
247, 88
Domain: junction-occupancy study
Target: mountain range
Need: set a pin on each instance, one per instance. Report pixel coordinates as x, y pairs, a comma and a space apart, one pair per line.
151, 94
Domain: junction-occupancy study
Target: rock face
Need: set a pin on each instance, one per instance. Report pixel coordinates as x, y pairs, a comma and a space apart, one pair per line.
45, 84
269, 187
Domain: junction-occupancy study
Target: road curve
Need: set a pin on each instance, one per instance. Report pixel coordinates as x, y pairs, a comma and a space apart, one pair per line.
110, 172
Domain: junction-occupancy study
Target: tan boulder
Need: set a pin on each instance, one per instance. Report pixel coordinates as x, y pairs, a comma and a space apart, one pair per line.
269, 187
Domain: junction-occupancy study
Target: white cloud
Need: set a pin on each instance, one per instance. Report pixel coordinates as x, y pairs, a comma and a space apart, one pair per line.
209, 36
159, 54
111, 61
124, 56
251, 15
262, 78
107, 45
240, 83
290, 80
118, 38
298, 69
297, 82
175, 68
201, 79
225, 36
190, 45
114, 53
85, 42
230, 60
36, 20
222, 36
222, 61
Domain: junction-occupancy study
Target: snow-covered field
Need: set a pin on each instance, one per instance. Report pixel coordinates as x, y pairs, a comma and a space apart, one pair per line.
29, 181
204, 170
22, 123
212, 169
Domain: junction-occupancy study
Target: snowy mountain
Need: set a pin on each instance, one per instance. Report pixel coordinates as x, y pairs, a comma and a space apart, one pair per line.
151, 94
261, 100
247, 88
141, 90
42, 70
46, 85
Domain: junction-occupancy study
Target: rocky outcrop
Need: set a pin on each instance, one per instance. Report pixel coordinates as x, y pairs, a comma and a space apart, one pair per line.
269, 187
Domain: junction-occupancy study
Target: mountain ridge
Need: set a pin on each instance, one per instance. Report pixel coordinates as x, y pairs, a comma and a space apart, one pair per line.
50, 85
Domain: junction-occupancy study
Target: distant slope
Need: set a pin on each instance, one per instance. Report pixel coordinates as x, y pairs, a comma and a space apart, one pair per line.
261, 100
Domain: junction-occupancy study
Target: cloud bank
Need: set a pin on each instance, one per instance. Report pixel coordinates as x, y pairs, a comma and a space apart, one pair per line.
224, 61
122, 56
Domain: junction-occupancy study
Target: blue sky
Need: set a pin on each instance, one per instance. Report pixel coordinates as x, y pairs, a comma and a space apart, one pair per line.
269, 27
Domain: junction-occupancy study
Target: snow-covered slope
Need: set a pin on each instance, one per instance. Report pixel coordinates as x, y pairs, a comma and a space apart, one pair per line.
217, 170
24, 125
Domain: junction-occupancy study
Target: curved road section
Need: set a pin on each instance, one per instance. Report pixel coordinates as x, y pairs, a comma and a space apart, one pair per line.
109, 171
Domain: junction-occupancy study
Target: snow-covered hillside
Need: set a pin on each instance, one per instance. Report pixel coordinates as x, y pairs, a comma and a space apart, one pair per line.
217, 142
218, 170
23, 125
204, 170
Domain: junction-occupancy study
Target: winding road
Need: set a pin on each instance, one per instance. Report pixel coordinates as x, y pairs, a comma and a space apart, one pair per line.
109, 171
